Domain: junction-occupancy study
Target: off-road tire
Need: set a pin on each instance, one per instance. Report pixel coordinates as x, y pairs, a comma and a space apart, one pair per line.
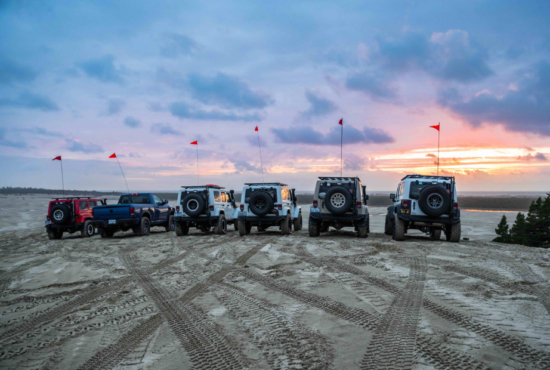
106, 233
452, 233
182, 229
440, 194
60, 214
221, 228
435, 234
244, 228
144, 227
362, 231
313, 228
236, 225
398, 229
388, 226
88, 229
55, 234
191, 199
260, 198
298, 222
286, 225
171, 224
341, 196
205, 228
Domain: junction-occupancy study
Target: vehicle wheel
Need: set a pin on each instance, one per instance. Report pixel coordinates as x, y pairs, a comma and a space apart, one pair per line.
362, 231
236, 225
171, 225
435, 234
452, 233
106, 233
286, 225
313, 228
338, 200
193, 205
244, 228
144, 227
88, 229
204, 227
434, 200
398, 229
260, 203
182, 229
60, 214
297, 223
222, 225
55, 234
388, 226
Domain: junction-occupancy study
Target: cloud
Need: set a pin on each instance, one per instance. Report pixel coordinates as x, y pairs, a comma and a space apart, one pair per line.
243, 166
176, 45
164, 129
319, 106
31, 101
373, 86
10, 143
44, 132
132, 122
354, 163
430, 155
226, 91
253, 140
526, 109
77, 146
114, 106
538, 156
182, 110
307, 135
134, 155
102, 69
11, 72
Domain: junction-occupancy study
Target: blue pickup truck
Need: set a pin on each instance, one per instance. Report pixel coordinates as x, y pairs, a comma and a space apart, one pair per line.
136, 211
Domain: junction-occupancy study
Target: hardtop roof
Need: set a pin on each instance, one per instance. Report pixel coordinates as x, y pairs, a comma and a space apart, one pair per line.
265, 183
335, 178
416, 176
203, 186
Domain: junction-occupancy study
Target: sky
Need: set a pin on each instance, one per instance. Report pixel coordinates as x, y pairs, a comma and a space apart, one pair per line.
143, 79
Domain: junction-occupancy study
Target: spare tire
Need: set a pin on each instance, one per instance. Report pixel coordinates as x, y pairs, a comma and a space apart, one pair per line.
260, 203
60, 214
338, 200
434, 200
193, 204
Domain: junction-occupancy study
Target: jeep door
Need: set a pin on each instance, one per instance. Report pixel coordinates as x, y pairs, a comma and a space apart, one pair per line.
218, 204
226, 205
285, 199
84, 211
161, 210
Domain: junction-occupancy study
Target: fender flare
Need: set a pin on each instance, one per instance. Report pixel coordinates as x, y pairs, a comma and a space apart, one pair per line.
146, 214
391, 212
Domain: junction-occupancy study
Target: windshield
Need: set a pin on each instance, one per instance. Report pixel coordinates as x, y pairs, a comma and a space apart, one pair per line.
134, 199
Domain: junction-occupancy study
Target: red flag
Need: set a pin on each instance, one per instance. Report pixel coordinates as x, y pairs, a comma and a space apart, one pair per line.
58, 158
436, 127
112, 155
341, 122
256, 129
196, 142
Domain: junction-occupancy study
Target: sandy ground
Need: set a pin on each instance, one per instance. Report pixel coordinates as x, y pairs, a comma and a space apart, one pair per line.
266, 301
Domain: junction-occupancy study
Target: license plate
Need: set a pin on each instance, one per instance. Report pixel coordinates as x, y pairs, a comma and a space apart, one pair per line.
48, 222
405, 211
315, 210
112, 222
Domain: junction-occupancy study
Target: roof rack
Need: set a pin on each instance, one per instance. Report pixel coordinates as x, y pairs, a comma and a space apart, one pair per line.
265, 183
417, 176
339, 178
74, 198
203, 186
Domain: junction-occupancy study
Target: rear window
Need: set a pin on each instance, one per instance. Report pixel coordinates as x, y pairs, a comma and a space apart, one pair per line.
217, 196
418, 185
94, 203
134, 199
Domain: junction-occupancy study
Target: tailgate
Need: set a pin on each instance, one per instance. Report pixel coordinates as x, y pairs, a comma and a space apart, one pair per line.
111, 212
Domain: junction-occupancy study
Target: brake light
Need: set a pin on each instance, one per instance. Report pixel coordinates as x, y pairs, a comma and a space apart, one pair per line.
92, 212
211, 208
177, 208
132, 211
315, 204
455, 206
405, 203
242, 207
358, 205
48, 218
280, 207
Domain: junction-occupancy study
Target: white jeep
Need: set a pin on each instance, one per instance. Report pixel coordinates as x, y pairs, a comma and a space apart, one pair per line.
426, 203
339, 202
204, 207
269, 204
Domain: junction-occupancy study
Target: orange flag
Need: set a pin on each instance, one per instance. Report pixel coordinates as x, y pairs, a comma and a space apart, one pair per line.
58, 158
112, 155
256, 129
436, 126
196, 142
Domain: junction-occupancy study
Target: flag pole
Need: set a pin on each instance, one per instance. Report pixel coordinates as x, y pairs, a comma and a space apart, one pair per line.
341, 146
261, 160
198, 173
123, 174
438, 136
62, 177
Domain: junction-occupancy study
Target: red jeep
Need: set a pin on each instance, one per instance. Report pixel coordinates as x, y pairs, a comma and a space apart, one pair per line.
71, 214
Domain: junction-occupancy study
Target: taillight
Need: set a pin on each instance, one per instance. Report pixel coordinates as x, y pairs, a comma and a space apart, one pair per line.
280, 207
358, 205
211, 208
315, 204
455, 206
132, 211
177, 208
92, 212
48, 218
405, 203
242, 207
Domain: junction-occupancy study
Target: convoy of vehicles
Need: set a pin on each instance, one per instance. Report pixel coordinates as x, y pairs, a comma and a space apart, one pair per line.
339, 202
205, 207
426, 203
270, 204
137, 212
71, 215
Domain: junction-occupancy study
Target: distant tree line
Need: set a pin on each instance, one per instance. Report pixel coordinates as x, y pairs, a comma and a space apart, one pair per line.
18, 190
532, 231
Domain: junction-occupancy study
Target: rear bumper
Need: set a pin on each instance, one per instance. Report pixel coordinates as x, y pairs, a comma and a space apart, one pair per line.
263, 220
121, 222
429, 220
68, 227
351, 218
193, 221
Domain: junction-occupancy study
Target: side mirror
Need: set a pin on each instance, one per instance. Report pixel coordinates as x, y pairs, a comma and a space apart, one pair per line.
366, 197
392, 196
165, 201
